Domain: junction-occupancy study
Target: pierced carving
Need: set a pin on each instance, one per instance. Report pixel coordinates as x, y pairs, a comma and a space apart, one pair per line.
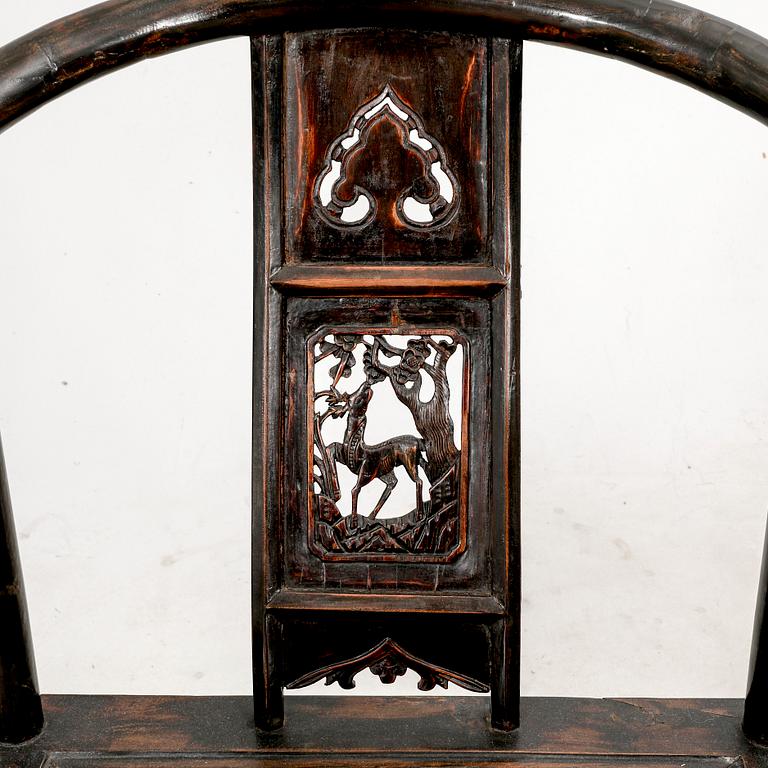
388, 661
430, 201
395, 371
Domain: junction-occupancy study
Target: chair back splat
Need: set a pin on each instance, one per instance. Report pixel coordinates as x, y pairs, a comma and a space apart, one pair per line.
387, 270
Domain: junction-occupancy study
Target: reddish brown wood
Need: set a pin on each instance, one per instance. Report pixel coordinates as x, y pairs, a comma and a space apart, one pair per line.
332, 590
347, 280
709, 53
389, 661
267, 370
506, 95
322, 762
437, 534
343, 732
297, 600
331, 81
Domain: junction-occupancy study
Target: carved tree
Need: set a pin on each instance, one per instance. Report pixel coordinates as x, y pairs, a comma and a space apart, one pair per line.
432, 418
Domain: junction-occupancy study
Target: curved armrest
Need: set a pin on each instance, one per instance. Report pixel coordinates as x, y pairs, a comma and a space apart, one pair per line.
707, 52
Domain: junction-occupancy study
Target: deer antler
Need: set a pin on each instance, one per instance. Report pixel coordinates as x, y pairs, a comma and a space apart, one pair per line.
338, 403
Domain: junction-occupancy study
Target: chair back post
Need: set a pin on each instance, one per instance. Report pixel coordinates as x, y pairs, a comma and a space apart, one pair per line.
21, 714
756, 705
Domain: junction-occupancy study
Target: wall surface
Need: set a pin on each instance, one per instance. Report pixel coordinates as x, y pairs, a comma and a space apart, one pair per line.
125, 312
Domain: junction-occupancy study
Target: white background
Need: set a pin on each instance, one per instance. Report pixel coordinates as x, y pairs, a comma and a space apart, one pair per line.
386, 417
125, 304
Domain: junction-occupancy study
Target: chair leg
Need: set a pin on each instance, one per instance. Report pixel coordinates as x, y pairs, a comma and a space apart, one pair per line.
21, 714
267, 690
505, 675
756, 706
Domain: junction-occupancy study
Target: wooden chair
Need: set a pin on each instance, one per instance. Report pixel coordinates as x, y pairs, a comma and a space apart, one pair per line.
385, 258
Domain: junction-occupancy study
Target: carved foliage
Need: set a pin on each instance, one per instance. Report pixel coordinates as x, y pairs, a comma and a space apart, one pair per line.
388, 661
426, 202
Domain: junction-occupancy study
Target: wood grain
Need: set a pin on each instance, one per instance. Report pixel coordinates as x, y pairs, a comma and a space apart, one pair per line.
354, 280
455, 604
318, 609
709, 53
328, 78
370, 732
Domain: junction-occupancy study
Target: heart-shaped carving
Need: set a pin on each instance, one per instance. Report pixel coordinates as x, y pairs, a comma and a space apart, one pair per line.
430, 201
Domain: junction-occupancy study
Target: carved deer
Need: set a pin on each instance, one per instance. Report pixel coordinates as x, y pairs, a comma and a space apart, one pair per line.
369, 462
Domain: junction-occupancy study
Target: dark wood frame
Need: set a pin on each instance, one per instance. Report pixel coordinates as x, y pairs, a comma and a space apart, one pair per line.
711, 54
309, 614
708, 53
383, 557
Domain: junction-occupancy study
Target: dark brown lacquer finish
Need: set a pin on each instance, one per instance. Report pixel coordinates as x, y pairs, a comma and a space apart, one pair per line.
431, 530
400, 369
432, 203
756, 706
387, 517
386, 183
396, 163
709, 53
388, 661
21, 715
386, 732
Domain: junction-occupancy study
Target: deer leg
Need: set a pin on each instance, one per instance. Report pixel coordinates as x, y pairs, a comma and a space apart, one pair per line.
412, 468
419, 499
331, 456
361, 481
390, 481
353, 516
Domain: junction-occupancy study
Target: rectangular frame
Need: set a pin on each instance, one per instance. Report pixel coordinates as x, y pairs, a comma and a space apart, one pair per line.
299, 567
434, 558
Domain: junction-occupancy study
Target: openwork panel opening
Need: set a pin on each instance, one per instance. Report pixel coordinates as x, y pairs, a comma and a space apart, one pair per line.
387, 426
389, 127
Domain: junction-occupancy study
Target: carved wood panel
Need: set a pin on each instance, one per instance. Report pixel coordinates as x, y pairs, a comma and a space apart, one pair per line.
390, 129
414, 381
428, 201
388, 661
388, 645
385, 346
385, 415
